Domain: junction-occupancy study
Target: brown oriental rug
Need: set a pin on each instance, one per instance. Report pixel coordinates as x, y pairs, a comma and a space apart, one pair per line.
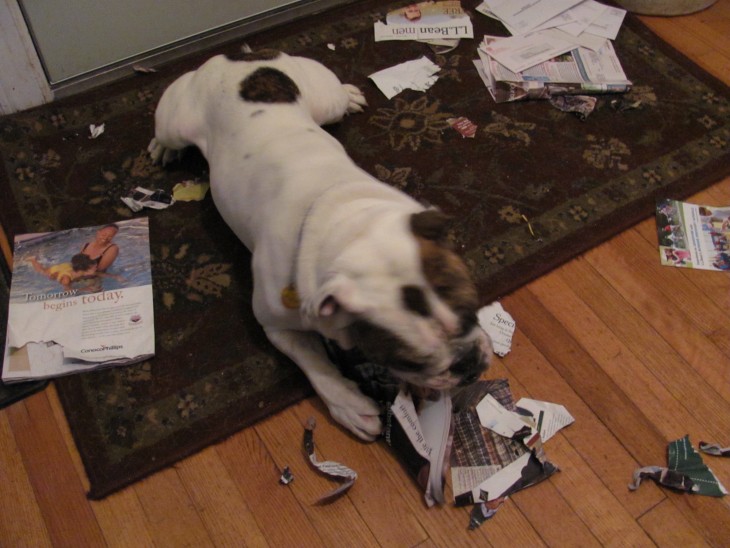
576, 182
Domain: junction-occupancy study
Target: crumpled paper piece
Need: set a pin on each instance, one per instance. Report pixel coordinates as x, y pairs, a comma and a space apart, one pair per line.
141, 69
549, 417
332, 469
190, 191
418, 74
580, 105
685, 472
139, 198
95, 131
664, 476
286, 476
464, 126
484, 511
499, 325
714, 449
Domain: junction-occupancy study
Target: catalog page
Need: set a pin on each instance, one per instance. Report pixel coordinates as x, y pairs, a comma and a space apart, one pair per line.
79, 299
693, 236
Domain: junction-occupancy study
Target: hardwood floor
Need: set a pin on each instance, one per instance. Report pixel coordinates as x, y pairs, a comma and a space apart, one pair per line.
638, 353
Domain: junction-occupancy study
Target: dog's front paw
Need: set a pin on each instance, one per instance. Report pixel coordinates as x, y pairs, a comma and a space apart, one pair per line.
354, 411
357, 99
161, 154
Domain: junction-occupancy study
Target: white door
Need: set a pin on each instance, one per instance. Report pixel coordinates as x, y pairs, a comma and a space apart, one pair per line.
78, 44
77, 37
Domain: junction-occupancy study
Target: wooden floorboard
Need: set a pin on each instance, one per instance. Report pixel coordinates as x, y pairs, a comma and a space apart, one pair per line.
638, 353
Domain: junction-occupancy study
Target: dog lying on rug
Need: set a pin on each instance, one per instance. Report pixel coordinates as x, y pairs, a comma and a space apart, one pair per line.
336, 253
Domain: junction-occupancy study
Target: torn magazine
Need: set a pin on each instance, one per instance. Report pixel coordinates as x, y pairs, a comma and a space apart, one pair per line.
66, 315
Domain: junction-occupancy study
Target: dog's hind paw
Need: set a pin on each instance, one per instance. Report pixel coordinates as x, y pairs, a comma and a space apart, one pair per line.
357, 99
161, 154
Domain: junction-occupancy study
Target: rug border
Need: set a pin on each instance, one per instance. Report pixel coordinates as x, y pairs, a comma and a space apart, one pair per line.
104, 483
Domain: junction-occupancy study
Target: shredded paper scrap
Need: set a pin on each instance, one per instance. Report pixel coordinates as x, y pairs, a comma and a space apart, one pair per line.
334, 470
685, 472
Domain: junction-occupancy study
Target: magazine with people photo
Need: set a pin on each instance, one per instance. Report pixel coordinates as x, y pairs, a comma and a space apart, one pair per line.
693, 236
80, 299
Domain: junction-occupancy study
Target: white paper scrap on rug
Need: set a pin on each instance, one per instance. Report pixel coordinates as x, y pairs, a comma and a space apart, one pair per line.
499, 325
418, 74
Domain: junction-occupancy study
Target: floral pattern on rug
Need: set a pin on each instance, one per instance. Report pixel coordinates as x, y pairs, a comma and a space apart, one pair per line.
412, 123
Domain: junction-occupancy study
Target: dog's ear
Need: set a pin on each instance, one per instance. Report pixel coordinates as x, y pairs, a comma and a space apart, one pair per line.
339, 293
430, 224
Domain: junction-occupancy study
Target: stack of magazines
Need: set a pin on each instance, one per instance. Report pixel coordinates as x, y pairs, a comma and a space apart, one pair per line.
558, 47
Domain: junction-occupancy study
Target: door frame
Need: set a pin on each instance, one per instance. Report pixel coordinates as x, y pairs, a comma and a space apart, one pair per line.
24, 83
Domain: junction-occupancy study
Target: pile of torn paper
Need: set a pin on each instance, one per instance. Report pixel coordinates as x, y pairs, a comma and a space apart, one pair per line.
558, 47
497, 445
492, 446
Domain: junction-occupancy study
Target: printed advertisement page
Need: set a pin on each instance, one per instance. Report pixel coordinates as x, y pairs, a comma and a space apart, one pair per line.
79, 299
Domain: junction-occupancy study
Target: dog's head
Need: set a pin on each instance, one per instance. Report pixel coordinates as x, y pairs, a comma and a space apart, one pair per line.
407, 302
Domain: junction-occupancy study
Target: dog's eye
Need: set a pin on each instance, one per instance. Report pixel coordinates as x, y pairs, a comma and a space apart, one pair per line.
414, 300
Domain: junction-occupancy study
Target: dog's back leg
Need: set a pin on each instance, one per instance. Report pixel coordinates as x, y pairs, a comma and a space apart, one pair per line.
348, 100
175, 121
327, 99
356, 99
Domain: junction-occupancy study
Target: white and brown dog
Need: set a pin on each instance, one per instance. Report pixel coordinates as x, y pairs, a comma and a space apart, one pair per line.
335, 252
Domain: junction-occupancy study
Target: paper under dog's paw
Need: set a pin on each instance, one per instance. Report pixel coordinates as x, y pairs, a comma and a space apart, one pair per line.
357, 99
356, 412
161, 154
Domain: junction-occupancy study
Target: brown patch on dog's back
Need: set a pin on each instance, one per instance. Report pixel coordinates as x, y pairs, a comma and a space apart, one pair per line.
261, 55
268, 85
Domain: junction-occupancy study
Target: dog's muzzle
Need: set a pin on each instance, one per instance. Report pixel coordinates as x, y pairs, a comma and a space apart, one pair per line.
470, 366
